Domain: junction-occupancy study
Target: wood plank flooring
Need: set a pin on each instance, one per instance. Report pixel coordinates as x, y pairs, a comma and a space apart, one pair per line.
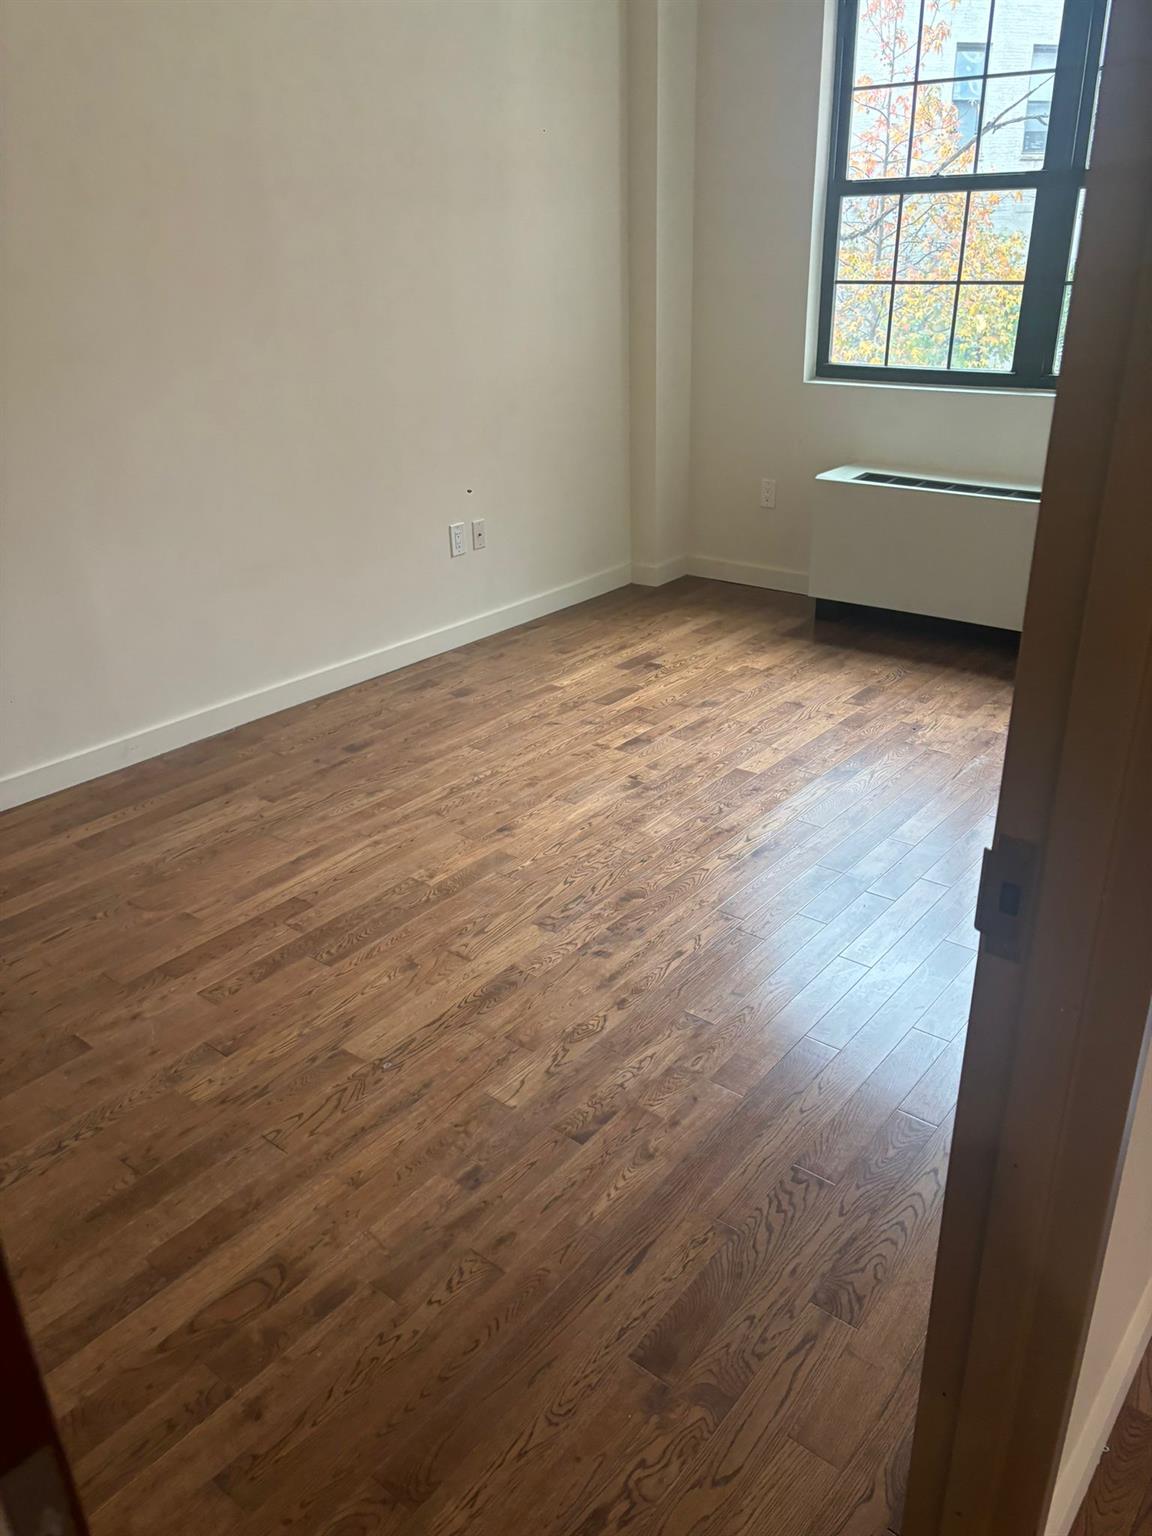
1119, 1501
512, 1093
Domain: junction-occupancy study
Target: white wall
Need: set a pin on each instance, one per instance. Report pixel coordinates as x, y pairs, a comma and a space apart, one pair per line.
1121, 1325
759, 157
281, 280
661, 165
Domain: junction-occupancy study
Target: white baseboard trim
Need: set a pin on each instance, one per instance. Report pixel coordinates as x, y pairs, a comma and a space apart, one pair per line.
1081, 1458
92, 762
776, 577
656, 575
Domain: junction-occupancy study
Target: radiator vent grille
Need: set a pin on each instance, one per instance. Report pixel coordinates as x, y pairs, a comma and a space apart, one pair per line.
963, 488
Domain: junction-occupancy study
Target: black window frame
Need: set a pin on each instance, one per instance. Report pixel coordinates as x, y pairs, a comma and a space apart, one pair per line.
1058, 182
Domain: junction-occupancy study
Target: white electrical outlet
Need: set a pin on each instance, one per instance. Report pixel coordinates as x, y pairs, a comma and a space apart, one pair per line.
456, 539
767, 494
479, 536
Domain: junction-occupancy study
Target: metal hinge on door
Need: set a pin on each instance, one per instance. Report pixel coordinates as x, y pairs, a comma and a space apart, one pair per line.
1007, 890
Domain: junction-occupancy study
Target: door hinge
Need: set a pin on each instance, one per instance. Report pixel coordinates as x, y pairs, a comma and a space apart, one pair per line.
1007, 894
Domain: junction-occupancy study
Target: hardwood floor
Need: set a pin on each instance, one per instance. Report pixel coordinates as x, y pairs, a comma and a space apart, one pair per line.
514, 1092
1119, 1502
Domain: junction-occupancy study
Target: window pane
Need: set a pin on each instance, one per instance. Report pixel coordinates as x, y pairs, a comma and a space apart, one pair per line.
921, 325
986, 320
999, 229
944, 141
1020, 26
1072, 255
1016, 114
955, 38
1104, 36
867, 247
1099, 78
930, 232
860, 323
886, 41
1063, 327
879, 142
1076, 228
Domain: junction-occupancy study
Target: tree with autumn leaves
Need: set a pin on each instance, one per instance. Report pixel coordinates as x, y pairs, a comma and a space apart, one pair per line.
987, 230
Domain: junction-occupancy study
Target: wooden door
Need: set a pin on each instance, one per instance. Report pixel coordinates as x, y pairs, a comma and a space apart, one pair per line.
1057, 1031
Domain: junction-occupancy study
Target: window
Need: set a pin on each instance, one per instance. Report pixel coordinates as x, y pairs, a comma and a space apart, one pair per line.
960, 142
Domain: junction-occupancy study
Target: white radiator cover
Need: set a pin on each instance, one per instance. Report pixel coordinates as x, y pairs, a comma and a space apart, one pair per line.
949, 554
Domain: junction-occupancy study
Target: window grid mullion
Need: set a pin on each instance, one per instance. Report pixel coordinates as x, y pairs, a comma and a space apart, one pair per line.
993, 74
895, 267
965, 181
960, 267
930, 282
983, 98
911, 141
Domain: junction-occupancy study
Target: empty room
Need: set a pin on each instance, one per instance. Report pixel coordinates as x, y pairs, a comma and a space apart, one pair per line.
573, 615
